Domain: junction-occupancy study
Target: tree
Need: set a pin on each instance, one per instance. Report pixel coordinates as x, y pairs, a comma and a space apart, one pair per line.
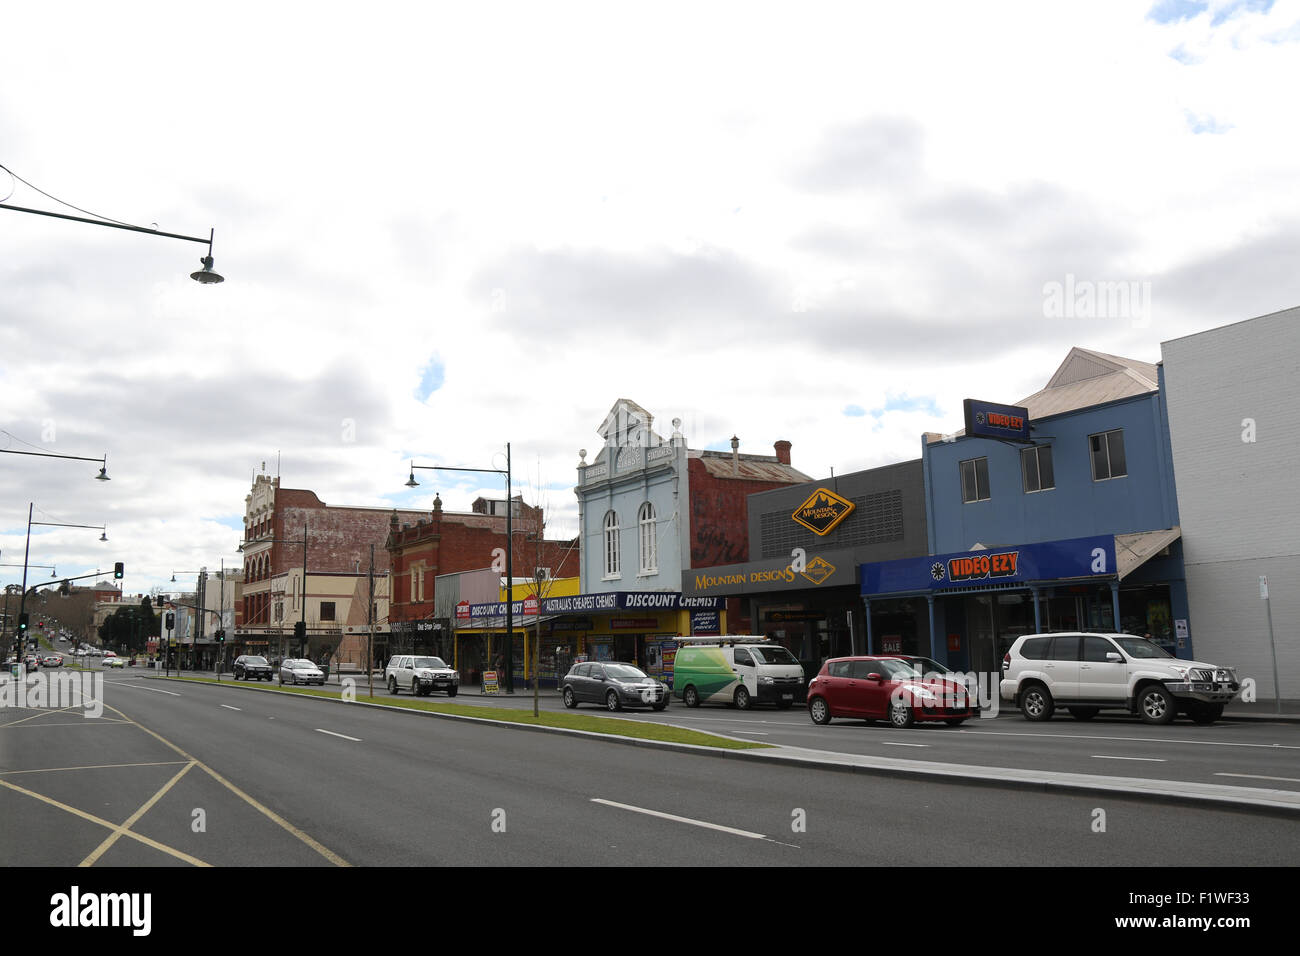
131, 627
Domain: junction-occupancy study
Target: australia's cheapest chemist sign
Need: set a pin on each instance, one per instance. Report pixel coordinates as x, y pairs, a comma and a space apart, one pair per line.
608, 601
1072, 559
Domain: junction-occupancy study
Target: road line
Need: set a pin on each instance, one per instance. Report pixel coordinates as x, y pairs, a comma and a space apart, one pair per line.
332, 734
757, 733
1113, 757
1256, 776
265, 811
228, 707
138, 687
892, 743
1146, 740
101, 766
672, 816
125, 827
195, 861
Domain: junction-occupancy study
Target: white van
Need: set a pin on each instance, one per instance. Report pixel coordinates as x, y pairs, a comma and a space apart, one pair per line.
736, 669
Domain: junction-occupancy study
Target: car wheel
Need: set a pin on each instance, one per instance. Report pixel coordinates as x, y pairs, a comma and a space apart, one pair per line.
691, 697
743, 701
612, 702
1083, 713
1036, 703
392, 686
955, 721
659, 706
569, 700
1156, 704
900, 714
1206, 713
451, 691
819, 710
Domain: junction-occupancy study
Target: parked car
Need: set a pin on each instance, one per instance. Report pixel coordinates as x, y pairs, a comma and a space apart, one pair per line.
1088, 673
421, 675
887, 688
736, 670
252, 667
613, 685
296, 671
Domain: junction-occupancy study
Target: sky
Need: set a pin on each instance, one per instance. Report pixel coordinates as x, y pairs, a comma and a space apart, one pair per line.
445, 227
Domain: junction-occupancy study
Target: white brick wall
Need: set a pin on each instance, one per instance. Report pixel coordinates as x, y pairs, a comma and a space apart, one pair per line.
1239, 501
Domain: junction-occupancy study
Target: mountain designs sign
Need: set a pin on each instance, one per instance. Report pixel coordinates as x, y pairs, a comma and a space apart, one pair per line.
823, 511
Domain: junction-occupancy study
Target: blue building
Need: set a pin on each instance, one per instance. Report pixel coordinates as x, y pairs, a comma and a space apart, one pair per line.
1059, 513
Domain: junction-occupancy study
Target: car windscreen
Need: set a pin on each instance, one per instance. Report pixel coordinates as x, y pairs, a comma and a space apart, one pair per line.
773, 655
624, 672
255, 660
429, 662
1140, 647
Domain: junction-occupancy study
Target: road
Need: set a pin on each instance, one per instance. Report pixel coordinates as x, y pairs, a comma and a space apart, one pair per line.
185, 774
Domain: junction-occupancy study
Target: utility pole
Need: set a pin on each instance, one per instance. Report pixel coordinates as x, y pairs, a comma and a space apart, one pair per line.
370, 620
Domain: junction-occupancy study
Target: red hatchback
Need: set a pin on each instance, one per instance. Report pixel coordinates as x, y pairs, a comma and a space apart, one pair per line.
886, 688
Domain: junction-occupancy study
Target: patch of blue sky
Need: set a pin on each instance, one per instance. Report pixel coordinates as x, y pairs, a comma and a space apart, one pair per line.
1175, 11
906, 403
230, 521
854, 411
1230, 10
1185, 56
723, 445
1206, 124
431, 378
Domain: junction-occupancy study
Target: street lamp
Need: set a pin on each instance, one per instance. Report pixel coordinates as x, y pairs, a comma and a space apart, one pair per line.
103, 471
300, 632
22, 602
206, 275
510, 553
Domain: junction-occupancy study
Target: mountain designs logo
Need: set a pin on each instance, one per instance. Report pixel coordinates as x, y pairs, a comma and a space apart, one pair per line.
823, 511
818, 570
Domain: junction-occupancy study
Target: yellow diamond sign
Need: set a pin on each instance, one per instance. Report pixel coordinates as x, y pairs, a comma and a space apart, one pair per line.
819, 569
823, 510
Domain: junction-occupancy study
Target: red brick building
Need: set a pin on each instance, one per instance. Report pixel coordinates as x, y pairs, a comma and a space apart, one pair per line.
444, 542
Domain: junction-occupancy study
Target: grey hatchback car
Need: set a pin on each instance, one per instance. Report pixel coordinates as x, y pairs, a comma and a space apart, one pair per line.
613, 685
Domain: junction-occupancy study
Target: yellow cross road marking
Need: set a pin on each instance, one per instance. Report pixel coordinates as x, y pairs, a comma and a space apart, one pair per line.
130, 821
195, 861
99, 766
266, 811
41, 712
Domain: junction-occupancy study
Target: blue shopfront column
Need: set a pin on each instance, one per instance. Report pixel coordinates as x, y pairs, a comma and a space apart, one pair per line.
934, 645
866, 607
1038, 620
1114, 603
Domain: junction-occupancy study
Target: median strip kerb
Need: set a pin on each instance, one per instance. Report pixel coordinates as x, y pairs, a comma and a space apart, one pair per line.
1190, 793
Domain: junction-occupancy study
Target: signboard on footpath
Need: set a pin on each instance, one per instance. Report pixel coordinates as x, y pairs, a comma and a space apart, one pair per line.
490, 684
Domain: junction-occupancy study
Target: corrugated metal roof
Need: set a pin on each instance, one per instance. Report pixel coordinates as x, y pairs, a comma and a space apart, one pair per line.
751, 468
1134, 550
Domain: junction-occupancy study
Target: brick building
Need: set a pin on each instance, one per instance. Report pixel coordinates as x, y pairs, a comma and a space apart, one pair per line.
447, 542
336, 597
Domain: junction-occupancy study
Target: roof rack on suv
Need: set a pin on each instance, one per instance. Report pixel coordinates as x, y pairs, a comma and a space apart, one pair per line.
725, 639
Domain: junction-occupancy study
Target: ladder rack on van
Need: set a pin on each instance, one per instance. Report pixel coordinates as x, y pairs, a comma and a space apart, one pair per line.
724, 639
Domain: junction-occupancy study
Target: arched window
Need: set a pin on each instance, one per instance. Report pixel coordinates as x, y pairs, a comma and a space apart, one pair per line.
649, 543
611, 545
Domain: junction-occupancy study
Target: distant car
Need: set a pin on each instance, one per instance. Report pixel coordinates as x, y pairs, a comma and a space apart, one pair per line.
252, 667
887, 688
421, 675
52, 660
614, 685
114, 662
32, 662
293, 671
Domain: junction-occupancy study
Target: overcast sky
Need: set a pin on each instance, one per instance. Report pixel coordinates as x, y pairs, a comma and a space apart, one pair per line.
448, 226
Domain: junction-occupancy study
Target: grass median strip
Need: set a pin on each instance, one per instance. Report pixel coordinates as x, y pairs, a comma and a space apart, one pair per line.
643, 730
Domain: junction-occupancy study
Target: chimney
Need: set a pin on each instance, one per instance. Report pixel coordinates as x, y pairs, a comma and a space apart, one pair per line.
735, 455
783, 452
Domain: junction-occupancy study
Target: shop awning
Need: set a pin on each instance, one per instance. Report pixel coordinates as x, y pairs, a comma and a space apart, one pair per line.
1134, 550
488, 625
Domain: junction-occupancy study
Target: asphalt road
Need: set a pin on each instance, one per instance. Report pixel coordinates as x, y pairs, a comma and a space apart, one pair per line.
186, 774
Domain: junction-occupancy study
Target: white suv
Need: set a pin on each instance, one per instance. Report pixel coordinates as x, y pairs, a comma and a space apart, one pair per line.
421, 675
1090, 672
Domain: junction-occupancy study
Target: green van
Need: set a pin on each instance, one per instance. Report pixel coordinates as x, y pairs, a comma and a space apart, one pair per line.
739, 670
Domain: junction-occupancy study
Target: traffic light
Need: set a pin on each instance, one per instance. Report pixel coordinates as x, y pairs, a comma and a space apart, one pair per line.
40, 624
22, 622
299, 631
171, 621
221, 635
118, 570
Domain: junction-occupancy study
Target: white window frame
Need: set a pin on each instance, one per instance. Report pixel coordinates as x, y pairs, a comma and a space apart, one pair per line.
1036, 451
1110, 469
613, 563
648, 539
